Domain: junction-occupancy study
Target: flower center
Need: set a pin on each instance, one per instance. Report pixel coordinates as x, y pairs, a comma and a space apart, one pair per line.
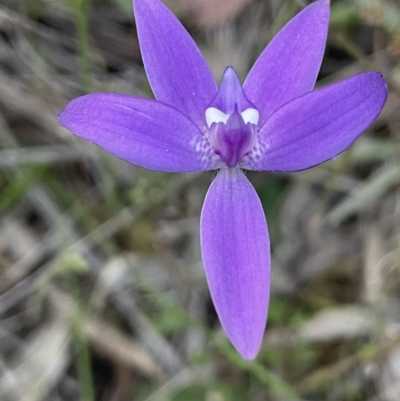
232, 120
232, 135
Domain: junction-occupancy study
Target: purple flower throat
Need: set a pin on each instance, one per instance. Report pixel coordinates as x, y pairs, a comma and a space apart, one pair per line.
232, 121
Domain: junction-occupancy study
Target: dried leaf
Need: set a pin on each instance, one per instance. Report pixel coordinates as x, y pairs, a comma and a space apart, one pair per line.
337, 324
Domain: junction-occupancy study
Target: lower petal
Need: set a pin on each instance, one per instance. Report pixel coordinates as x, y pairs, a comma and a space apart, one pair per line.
144, 132
236, 256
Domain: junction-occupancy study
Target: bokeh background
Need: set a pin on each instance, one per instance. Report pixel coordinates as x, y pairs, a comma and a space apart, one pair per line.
102, 292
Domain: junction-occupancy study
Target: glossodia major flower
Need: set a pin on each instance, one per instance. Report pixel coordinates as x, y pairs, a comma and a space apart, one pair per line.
274, 121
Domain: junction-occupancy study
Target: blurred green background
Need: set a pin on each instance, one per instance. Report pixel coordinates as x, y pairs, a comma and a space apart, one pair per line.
102, 292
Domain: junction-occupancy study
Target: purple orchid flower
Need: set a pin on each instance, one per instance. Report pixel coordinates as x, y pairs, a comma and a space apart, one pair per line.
273, 122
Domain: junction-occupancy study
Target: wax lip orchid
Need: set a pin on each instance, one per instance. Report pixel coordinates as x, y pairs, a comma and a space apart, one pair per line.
273, 122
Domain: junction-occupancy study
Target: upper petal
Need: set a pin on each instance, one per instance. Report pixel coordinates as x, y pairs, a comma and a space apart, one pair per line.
319, 125
236, 256
141, 131
289, 65
177, 72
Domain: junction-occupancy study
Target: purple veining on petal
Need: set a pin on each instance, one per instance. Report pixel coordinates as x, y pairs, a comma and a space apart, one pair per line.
177, 71
288, 67
236, 255
319, 125
144, 132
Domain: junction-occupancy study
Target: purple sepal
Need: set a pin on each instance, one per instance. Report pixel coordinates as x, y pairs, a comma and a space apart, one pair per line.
289, 65
236, 256
318, 125
177, 72
144, 132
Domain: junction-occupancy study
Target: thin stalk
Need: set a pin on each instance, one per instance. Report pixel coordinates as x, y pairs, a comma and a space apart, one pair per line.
82, 26
80, 343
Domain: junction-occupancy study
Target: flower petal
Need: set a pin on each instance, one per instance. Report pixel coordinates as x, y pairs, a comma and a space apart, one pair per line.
289, 65
177, 72
319, 125
144, 132
236, 255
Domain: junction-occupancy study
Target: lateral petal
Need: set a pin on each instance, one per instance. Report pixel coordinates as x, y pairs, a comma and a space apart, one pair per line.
177, 72
236, 256
289, 65
144, 132
319, 125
